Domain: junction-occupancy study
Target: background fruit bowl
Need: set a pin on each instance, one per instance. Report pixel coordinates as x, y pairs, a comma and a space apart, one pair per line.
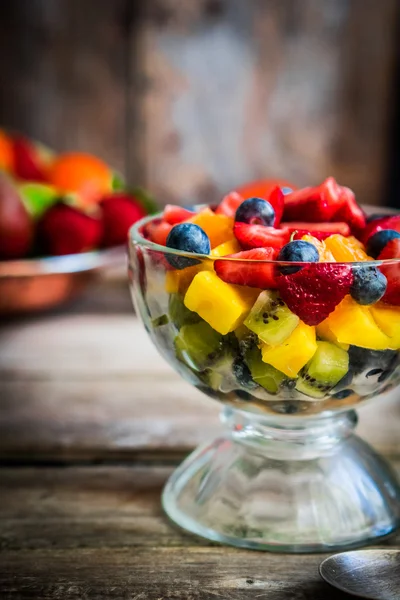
36, 285
63, 218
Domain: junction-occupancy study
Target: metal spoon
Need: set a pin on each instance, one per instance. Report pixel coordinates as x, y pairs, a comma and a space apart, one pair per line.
373, 574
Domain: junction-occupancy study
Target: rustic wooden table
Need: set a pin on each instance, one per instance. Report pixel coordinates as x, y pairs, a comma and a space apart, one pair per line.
92, 421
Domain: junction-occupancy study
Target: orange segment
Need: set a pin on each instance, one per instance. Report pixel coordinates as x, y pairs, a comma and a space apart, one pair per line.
325, 255
6, 152
81, 173
346, 249
219, 228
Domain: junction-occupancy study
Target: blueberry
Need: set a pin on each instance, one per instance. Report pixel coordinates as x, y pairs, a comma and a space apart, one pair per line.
187, 237
369, 285
297, 251
377, 216
255, 211
362, 359
378, 241
243, 375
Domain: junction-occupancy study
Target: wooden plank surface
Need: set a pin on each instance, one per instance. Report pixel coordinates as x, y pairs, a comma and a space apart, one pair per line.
99, 532
63, 71
194, 97
245, 89
88, 384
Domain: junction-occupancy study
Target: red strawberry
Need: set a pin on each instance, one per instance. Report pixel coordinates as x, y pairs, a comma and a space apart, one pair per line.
316, 204
27, 163
391, 272
229, 204
176, 214
319, 230
245, 272
119, 211
157, 231
350, 212
260, 236
66, 230
379, 225
313, 292
277, 199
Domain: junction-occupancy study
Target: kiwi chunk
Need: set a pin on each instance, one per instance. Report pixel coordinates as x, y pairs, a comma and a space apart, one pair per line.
198, 345
324, 371
179, 314
265, 375
271, 319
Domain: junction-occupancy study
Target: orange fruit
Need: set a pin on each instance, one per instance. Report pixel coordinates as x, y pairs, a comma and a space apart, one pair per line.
346, 249
84, 174
6, 152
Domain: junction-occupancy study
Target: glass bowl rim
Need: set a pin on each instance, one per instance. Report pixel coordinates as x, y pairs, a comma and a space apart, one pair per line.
136, 238
63, 264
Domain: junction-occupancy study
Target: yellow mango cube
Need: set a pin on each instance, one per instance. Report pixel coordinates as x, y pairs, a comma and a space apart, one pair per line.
354, 324
325, 333
219, 228
178, 280
295, 352
222, 305
388, 319
230, 247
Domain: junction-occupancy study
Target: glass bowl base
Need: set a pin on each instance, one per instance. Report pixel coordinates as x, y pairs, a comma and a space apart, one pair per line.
314, 488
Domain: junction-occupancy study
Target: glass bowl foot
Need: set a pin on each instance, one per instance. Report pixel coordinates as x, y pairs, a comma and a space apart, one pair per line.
314, 487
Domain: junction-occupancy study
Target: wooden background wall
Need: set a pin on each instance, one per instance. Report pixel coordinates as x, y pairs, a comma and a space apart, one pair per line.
191, 97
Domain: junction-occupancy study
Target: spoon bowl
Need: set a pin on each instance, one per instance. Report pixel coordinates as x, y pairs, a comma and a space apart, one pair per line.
372, 574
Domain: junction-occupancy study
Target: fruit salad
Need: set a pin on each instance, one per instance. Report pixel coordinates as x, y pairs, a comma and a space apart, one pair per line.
278, 299
55, 204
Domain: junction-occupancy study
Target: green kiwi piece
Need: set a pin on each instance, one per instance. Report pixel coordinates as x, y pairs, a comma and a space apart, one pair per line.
271, 319
198, 345
326, 368
263, 374
179, 314
160, 321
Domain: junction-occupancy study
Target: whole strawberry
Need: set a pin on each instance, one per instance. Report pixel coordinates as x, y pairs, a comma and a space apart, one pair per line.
65, 230
314, 292
27, 163
119, 211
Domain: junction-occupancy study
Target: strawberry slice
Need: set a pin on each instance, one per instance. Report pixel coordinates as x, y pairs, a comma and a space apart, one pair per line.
157, 231
319, 230
260, 236
391, 272
229, 204
378, 225
245, 272
318, 203
27, 164
262, 188
174, 214
350, 212
314, 292
277, 200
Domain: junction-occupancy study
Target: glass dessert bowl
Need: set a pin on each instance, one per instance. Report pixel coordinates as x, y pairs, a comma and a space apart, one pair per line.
288, 474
